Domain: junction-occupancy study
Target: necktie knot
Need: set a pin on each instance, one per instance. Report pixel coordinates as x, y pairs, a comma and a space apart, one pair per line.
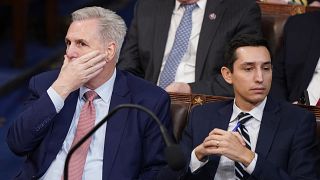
189, 7
243, 118
90, 95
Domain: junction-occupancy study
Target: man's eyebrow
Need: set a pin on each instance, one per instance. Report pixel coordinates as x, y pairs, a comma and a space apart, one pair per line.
252, 63
247, 63
267, 63
77, 40
81, 40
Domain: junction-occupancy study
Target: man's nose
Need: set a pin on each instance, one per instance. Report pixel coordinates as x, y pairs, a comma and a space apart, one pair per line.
259, 76
72, 51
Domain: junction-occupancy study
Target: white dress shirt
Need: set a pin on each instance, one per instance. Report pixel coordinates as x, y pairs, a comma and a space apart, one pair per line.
186, 69
226, 168
313, 88
94, 161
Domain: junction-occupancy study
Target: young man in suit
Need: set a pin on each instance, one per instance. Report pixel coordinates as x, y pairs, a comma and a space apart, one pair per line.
297, 66
153, 39
252, 136
65, 104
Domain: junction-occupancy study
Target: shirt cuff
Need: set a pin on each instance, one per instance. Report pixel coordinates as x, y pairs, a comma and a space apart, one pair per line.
56, 99
249, 169
195, 164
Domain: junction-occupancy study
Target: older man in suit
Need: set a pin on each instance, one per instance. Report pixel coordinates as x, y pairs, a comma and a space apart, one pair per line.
186, 60
252, 136
297, 66
64, 105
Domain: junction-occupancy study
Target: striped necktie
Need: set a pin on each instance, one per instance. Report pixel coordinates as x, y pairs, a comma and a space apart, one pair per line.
179, 48
239, 167
85, 124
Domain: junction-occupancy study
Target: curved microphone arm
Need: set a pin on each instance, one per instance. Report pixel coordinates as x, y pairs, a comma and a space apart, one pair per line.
173, 151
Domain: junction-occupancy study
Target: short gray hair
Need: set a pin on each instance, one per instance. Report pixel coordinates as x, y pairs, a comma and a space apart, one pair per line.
113, 28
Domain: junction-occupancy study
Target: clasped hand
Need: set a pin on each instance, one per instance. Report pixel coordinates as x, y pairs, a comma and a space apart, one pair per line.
226, 143
77, 71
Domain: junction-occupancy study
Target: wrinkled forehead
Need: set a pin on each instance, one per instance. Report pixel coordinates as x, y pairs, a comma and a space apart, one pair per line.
86, 30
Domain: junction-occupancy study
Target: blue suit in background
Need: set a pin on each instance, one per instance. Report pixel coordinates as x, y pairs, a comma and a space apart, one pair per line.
286, 144
133, 143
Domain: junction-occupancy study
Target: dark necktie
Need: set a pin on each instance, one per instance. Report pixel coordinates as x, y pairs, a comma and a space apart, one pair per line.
239, 167
179, 47
318, 103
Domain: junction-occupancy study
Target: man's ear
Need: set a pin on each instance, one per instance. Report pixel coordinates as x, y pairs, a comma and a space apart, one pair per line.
226, 74
110, 51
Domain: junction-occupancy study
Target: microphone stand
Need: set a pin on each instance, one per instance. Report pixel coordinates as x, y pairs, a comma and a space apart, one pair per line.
173, 154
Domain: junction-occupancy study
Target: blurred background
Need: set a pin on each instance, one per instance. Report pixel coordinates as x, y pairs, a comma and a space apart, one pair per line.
32, 41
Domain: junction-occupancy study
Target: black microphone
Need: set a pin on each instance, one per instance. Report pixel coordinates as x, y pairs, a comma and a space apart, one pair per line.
173, 153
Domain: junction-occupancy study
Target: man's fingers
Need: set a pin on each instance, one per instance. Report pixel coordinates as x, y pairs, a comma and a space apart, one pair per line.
95, 67
217, 131
87, 57
95, 61
240, 138
95, 73
170, 88
66, 60
212, 143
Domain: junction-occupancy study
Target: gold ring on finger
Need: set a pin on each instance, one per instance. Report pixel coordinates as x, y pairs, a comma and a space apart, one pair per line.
217, 144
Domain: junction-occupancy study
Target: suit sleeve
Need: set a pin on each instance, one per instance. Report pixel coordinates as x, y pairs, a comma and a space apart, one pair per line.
249, 23
186, 145
191, 138
130, 58
153, 143
303, 160
279, 87
28, 130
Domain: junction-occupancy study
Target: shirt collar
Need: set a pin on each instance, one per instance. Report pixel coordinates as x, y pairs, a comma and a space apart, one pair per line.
104, 91
201, 4
256, 112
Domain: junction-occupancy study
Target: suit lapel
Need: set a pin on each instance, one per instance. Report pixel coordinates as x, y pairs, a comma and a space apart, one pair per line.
268, 128
208, 31
61, 126
222, 122
67, 112
116, 124
161, 28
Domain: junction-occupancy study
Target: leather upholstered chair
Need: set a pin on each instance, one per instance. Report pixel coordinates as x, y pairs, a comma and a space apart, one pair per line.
181, 104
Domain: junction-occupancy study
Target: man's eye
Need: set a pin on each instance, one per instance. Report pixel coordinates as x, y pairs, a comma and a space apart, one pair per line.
248, 68
266, 68
82, 44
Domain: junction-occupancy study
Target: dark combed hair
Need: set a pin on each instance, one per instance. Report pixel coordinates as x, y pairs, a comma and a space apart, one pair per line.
241, 41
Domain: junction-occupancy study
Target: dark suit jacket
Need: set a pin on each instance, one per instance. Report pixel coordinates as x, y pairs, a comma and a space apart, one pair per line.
143, 50
295, 64
286, 145
133, 144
